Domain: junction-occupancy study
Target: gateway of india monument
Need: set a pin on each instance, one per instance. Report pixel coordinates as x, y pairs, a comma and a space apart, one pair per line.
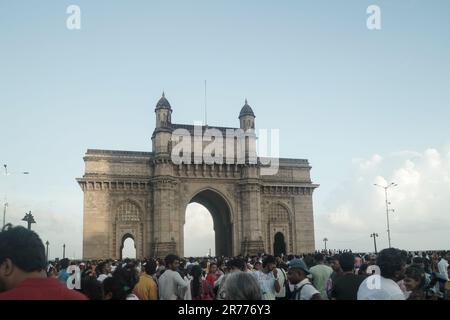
144, 195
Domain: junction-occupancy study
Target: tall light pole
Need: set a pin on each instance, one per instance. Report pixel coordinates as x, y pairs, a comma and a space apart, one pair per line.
5, 205
46, 251
392, 184
325, 241
64, 250
374, 236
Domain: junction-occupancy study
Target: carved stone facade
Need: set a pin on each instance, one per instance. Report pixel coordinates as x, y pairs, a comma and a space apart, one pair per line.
144, 195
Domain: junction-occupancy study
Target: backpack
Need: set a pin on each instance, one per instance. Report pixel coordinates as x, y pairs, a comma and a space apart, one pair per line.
291, 295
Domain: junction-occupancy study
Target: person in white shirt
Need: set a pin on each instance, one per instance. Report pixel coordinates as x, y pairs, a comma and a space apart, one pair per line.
302, 289
187, 292
443, 266
282, 278
268, 279
170, 284
383, 286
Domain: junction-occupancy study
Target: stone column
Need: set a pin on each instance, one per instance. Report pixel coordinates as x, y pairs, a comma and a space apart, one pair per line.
304, 223
251, 216
96, 222
148, 225
166, 218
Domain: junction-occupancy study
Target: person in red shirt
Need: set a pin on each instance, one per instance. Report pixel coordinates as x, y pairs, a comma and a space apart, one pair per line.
214, 274
22, 269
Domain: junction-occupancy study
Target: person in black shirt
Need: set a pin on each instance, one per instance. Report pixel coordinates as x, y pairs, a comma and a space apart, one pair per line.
345, 287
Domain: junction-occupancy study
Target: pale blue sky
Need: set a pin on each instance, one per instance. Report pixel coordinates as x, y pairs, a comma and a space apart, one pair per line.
336, 90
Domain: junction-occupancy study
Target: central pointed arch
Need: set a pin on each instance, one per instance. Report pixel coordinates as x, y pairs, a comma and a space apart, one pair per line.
221, 214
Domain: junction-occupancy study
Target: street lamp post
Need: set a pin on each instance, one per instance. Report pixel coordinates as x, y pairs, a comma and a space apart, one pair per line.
46, 251
64, 251
5, 206
374, 236
392, 184
29, 219
6, 200
325, 242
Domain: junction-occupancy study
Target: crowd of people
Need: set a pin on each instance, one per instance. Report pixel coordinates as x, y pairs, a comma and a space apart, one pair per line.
392, 274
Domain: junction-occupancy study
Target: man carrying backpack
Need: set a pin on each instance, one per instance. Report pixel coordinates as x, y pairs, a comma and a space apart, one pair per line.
303, 288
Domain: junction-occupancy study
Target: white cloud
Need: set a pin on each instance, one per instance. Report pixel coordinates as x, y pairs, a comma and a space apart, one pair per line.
421, 202
342, 218
433, 158
368, 164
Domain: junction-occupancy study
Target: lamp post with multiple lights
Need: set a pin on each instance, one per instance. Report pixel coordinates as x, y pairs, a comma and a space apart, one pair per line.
374, 236
391, 185
325, 242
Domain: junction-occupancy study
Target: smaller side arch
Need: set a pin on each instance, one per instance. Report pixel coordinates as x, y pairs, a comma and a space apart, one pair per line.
279, 244
279, 222
127, 218
124, 238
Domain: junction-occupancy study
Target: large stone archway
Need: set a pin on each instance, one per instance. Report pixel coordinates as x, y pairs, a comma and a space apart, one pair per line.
249, 207
221, 214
